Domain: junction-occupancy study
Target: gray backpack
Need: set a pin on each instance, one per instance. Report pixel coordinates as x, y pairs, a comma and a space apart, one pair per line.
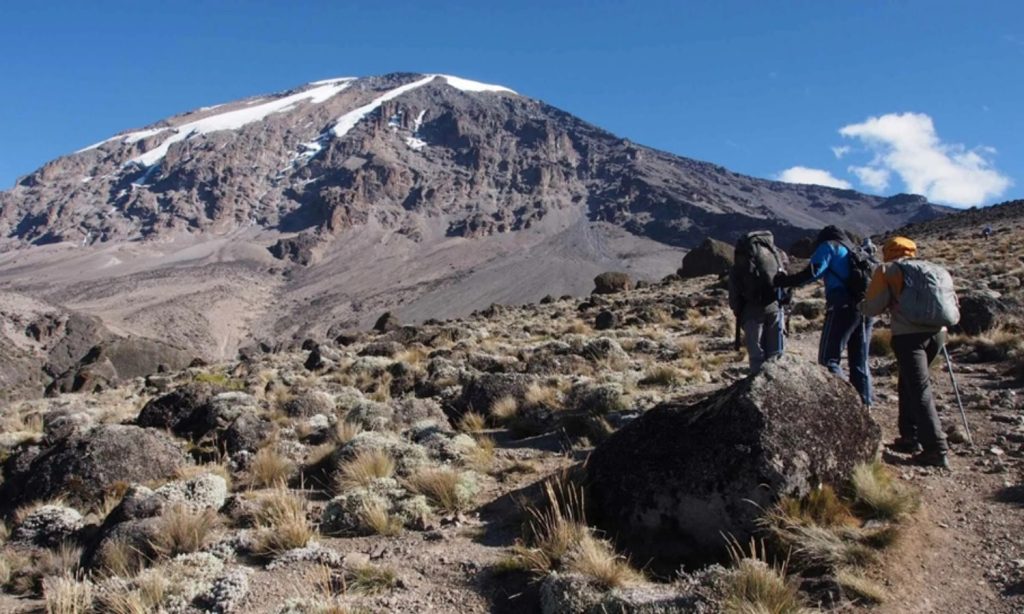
928, 297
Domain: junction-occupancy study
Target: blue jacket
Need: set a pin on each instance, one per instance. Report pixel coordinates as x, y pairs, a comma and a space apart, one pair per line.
832, 261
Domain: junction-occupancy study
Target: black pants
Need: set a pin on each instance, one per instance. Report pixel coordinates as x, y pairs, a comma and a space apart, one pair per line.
918, 420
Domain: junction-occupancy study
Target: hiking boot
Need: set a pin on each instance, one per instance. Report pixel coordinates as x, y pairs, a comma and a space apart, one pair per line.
905, 446
933, 458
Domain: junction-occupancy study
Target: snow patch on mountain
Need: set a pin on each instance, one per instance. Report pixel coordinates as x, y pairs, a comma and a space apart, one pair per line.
349, 120
232, 120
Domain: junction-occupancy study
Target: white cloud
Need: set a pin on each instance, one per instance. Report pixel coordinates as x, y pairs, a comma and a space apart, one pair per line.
873, 178
908, 145
841, 151
816, 176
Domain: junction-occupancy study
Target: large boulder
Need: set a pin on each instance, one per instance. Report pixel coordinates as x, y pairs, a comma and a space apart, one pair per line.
712, 257
179, 410
979, 312
119, 360
670, 484
480, 393
612, 282
81, 468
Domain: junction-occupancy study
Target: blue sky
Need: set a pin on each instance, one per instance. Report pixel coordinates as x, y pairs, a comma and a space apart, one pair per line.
927, 93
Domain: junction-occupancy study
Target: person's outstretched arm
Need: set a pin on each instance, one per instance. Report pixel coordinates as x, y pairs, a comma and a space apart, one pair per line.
820, 260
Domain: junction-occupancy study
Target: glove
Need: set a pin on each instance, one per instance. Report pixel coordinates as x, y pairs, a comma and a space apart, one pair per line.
780, 279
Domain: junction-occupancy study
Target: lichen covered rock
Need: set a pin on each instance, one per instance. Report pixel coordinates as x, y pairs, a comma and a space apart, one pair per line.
671, 483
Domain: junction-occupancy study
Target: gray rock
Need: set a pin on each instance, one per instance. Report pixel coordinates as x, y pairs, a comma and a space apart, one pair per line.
671, 483
605, 320
81, 468
612, 282
711, 257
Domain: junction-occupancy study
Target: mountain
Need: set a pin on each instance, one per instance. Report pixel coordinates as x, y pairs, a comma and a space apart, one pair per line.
316, 209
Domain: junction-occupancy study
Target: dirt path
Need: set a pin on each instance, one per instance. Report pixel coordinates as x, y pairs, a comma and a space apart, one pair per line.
964, 551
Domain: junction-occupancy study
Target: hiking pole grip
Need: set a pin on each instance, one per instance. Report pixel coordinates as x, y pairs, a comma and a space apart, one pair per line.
956, 389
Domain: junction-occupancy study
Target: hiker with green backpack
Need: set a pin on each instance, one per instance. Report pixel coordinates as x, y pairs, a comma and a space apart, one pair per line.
846, 271
921, 298
754, 299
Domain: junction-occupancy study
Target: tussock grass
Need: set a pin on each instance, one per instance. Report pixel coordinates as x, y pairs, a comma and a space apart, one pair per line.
472, 422
481, 458
688, 346
860, 587
281, 523
370, 579
554, 526
119, 557
878, 494
345, 431
504, 409
66, 594
998, 345
441, 486
376, 517
181, 530
364, 468
270, 468
28, 570
757, 587
596, 559
662, 375
822, 507
542, 395
130, 602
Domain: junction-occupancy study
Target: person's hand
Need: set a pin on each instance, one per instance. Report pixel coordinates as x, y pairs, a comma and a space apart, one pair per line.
779, 281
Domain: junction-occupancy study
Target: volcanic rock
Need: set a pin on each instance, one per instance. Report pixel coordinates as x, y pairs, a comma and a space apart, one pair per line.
670, 484
712, 257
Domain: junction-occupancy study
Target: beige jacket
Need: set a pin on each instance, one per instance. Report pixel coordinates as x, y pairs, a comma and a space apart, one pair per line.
884, 294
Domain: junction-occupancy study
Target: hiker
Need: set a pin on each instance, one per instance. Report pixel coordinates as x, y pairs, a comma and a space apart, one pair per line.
920, 297
846, 274
987, 231
754, 299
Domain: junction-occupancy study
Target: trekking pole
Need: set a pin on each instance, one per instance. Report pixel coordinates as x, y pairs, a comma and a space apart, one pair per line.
956, 389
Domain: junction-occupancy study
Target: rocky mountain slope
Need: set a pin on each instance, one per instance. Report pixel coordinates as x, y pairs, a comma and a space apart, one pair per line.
276, 217
404, 469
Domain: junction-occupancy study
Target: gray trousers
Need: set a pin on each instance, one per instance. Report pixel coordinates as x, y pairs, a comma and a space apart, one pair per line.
764, 338
918, 420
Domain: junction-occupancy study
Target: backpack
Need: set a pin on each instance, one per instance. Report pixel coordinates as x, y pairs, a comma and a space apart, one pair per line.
757, 261
862, 267
928, 297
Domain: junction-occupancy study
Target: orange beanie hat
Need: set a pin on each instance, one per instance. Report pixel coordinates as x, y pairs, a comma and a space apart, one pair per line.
899, 247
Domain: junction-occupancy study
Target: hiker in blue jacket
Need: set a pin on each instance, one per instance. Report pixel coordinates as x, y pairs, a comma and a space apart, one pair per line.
845, 325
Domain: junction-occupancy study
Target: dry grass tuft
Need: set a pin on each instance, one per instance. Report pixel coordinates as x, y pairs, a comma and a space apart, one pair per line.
688, 346
481, 458
554, 527
596, 559
364, 468
66, 594
370, 579
878, 494
270, 469
119, 557
345, 431
181, 530
472, 422
541, 395
504, 409
756, 587
442, 486
662, 375
281, 523
861, 588
376, 517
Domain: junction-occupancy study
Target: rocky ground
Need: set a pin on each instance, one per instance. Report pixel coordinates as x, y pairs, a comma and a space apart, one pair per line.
399, 469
